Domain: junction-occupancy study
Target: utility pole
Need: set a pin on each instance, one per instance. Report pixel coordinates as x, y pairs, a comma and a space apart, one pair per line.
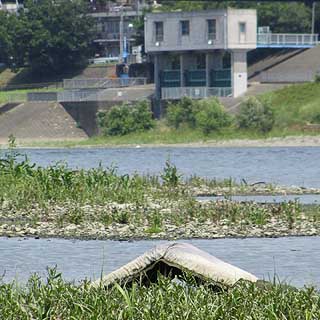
121, 34
313, 16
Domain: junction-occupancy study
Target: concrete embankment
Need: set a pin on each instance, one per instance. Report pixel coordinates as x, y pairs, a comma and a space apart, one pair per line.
45, 120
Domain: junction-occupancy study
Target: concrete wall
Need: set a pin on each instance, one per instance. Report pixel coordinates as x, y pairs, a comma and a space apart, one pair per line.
239, 75
235, 17
228, 33
174, 41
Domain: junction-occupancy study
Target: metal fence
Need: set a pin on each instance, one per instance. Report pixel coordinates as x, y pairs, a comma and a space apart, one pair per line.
42, 96
290, 76
194, 92
286, 39
79, 95
103, 83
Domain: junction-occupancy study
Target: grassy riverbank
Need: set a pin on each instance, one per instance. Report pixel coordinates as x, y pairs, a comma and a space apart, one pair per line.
57, 299
100, 203
294, 107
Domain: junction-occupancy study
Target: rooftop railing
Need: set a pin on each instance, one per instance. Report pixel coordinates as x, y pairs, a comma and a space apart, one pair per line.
289, 40
176, 93
103, 83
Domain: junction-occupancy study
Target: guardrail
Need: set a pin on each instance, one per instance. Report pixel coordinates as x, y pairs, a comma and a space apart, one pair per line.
286, 40
42, 96
103, 83
79, 95
174, 93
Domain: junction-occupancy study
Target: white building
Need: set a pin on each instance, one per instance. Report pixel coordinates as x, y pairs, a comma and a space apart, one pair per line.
200, 53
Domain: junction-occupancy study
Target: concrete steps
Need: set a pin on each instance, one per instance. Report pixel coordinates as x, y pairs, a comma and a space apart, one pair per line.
39, 121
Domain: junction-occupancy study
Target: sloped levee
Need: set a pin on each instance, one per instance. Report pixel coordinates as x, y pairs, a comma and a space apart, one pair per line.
302, 66
43, 120
172, 260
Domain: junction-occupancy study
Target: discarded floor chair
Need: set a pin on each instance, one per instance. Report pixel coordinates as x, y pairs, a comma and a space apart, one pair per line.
173, 259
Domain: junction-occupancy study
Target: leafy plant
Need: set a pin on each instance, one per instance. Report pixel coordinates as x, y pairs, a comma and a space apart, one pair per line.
170, 175
207, 115
256, 114
211, 116
182, 112
124, 119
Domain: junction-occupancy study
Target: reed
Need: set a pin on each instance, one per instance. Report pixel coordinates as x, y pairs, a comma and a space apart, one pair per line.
55, 298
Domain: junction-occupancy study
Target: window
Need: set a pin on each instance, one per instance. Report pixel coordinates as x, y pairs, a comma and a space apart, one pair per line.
242, 32
201, 61
242, 26
185, 27
212, 29
158, 27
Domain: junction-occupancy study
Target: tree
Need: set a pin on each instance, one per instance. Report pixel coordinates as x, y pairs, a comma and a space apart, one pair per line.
283, 17
52, 36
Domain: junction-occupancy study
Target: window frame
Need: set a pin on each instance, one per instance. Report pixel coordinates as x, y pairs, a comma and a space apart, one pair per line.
242, 24
158, 36
185, 28
242, 31
209, 37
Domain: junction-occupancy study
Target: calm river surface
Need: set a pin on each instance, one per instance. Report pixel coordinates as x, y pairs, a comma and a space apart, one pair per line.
295, 260
286, 166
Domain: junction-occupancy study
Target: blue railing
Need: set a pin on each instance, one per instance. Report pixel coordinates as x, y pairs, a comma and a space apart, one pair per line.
170, 78
220, 78
286, 40
195, 78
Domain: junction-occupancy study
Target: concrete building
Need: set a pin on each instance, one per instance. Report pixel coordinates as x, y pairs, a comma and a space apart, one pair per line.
115, 27
11, 7
200, 53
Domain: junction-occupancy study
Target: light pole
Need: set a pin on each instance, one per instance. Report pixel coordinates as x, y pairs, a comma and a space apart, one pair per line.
313, 16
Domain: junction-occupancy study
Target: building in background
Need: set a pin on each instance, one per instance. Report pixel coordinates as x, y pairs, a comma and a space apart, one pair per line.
200, 53
11, 7
115, 28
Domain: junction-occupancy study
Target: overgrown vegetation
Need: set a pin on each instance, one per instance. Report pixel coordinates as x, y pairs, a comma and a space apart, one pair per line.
208, 115
124, 119
61, 196
296, 105
48, 36
56, 299
282, 17
256, 114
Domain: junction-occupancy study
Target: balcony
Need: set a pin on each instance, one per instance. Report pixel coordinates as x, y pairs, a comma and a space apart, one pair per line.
195, 78
286, 40
176, 93
113, 37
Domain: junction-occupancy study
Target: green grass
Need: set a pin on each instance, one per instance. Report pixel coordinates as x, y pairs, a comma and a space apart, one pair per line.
296, 105
104, 196
57, 299
21, 94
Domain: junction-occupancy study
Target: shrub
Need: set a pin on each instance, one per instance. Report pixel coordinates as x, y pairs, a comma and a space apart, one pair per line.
317, 77
206, 114
256, 114
124, 119
211, 115
182, 112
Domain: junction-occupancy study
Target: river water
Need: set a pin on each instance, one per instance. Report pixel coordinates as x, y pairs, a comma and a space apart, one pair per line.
293, 260
313, 199
286, 166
